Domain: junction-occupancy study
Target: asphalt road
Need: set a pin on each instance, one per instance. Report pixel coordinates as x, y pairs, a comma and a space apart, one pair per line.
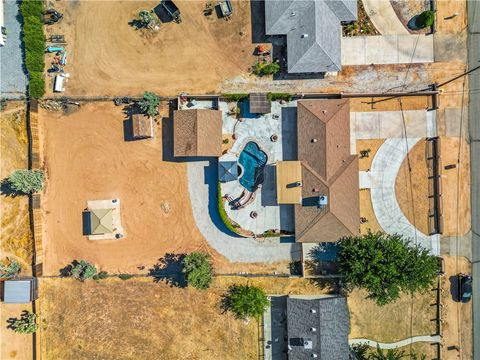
474, 130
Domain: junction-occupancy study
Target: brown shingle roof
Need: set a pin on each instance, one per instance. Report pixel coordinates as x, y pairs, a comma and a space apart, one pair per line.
197, 132
328, 169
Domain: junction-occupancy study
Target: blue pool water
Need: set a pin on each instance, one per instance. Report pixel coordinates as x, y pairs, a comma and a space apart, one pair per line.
253, 161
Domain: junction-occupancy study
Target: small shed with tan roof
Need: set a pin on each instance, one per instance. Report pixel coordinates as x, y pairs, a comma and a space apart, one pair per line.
142, 126
197, 132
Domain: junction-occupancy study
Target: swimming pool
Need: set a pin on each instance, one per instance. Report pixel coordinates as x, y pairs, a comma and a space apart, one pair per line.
252, 160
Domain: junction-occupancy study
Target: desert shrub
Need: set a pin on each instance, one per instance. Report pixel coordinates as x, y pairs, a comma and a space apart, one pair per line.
235, 97
425, 19
222, 213
125, 276
100, 276
198, 270
26, 324
36, 87
279, 96
245, 301
9, 268
26, 181
270, 69
148, 105
83, 270
385, 265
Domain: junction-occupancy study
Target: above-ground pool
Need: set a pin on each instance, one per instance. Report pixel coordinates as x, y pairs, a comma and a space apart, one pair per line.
252, 160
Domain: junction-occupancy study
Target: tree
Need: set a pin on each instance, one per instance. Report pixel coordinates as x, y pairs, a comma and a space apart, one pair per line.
270, 69
83, 270
9, 268
385, 265
425, 19
26, 181
198, 270
26, 324
245, 301
145, 18
149, 103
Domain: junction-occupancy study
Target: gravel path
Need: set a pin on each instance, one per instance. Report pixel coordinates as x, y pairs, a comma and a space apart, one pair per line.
404, 342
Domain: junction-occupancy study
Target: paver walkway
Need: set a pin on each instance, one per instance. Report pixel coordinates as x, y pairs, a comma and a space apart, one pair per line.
404, 342
383, 17
384, 171
387, 49
234, 248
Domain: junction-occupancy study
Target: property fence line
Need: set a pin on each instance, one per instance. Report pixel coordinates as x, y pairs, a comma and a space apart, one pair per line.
435, 213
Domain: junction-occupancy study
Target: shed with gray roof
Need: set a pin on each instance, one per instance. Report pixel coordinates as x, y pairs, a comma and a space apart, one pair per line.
20, 291
313, 31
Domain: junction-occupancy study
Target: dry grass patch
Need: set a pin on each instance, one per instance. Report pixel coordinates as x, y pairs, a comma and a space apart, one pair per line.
391, 322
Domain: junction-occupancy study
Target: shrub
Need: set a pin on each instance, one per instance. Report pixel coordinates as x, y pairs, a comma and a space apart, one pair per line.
425, 19
9, 268
236, 97
245, 301
125, 276
83, 270
198, 270
26, 181
223, 213
385, 265
36, 87
270, 69
26, 324
35, 63
279, 96
33, 8
149, 103
100, 276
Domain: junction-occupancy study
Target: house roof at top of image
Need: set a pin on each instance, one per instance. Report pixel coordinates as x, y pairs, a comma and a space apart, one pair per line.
313, 31
329, 317
197, 132
329, 170
101, 221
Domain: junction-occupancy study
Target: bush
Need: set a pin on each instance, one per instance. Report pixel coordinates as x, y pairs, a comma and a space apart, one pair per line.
425, 19
36, 87
125, 276
100, 276
279, 96
245, 301
198, 270
26, 181
223, 213
149, 103
33, 8
26, 324
83, 270
35, 63
9, 268
385, 265
235, 97
270, 69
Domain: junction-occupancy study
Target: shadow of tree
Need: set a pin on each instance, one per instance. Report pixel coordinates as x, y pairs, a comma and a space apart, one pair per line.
331, 285
65, 271
169, 269
12, 320
6, 189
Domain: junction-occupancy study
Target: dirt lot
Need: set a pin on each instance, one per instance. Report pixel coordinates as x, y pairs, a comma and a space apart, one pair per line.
456, 317
15, 236
12, 345
119, 320
107, 56
391, 322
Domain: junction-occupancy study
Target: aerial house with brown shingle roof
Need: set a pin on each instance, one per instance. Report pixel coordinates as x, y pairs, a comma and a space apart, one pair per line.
197, 132
330, 206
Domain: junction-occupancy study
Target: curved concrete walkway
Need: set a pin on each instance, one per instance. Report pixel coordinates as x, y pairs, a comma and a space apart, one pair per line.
202, 186
383, 17
401, 343
384, 171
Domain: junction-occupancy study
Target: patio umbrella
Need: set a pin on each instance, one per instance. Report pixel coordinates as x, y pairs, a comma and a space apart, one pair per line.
227, 171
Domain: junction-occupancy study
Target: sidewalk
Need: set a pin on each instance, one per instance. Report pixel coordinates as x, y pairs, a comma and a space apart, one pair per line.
383, 17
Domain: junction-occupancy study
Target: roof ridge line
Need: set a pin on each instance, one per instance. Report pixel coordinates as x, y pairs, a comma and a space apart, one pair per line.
339, 172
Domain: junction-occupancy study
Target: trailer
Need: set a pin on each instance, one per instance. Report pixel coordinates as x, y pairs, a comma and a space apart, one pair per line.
172, 10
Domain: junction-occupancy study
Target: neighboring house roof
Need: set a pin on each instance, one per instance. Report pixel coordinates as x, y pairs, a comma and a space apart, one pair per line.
313, 31
19, 291
101, 221
329, 170
142, 126
317, 326
259, 103
197, 132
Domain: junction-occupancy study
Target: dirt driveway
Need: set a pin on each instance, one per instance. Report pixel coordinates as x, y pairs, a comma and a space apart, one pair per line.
107, 56
87, 158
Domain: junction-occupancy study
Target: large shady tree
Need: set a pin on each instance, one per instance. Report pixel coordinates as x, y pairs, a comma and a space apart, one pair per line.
245, 301
385, 266
26, 181
198, 270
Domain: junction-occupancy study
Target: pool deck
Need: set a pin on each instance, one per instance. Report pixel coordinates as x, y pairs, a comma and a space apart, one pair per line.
281, 122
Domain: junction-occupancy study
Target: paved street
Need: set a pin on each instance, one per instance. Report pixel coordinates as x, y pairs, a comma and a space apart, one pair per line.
474, 117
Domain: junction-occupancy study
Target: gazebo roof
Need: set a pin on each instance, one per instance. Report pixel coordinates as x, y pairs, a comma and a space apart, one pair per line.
227, 171
101, 221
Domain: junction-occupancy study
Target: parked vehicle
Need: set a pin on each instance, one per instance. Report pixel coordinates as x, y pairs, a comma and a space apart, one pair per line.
51, 16
464, 287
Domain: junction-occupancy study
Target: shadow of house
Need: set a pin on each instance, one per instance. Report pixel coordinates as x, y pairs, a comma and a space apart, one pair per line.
169, 270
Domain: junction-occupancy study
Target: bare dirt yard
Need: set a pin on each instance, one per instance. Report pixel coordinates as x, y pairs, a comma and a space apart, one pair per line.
15, 235
137, 318
107, 56
14, 346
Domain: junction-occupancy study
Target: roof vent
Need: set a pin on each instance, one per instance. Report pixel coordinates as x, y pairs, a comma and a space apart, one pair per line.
314, 140
314, 355
312, 329
322, 201
304, 36
307, 344
293, 13
313, 311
